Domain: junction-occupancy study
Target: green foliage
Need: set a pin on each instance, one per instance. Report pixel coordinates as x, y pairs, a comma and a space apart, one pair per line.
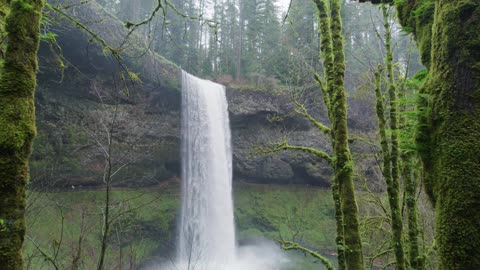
144, 220
48, 37
300, 213
290, 213
3, 225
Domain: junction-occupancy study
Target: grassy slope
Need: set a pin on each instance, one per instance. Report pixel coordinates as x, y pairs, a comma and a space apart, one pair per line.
303, 213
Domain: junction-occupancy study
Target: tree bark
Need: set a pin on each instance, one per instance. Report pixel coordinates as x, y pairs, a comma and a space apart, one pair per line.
341, 149
410, 176
334, 64
449, 135
17, 124
327, 55
393, 182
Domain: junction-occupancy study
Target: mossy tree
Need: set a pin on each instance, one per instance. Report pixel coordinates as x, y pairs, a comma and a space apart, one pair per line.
447, 34
343, 159
393, 189
390, 147
349, 245
17, 122
410, 165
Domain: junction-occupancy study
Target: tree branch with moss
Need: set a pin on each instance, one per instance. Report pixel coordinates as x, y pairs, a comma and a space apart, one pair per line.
288, 245
301, 109
285, 146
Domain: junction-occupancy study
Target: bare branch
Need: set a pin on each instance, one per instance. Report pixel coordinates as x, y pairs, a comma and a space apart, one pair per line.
44, 254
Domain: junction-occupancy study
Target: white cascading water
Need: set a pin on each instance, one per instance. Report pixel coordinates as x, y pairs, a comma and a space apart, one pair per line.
207, 231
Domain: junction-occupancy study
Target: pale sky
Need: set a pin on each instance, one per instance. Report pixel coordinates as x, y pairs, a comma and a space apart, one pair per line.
283, 4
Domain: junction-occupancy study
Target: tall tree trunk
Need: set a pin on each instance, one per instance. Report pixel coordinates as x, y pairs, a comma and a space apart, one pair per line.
341, 149
447, 35
448, 38
450, 133
17, 124
334, 63
240, 41
327, 55
452, 153
393, 182
410, 175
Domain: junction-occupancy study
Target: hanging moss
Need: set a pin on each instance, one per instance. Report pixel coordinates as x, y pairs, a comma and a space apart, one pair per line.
17, 122
417, 17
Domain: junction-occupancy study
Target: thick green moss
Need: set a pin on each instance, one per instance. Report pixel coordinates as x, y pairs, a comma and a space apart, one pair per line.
343, 159
393, 184
450, 130
349, 244
4, 10
417, 17
17, 123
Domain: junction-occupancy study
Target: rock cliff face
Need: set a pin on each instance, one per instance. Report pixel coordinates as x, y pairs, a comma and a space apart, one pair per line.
75, 115
91, 100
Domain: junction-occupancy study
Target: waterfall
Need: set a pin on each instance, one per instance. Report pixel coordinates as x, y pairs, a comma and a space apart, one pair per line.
206, 233
206, 237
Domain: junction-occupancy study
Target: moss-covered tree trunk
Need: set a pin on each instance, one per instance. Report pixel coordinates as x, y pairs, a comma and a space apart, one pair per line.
450, 134
350, 254
410, 175
341, 149
328, 59
17, 124
447, 33
387, 169
393, 181
451, 137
